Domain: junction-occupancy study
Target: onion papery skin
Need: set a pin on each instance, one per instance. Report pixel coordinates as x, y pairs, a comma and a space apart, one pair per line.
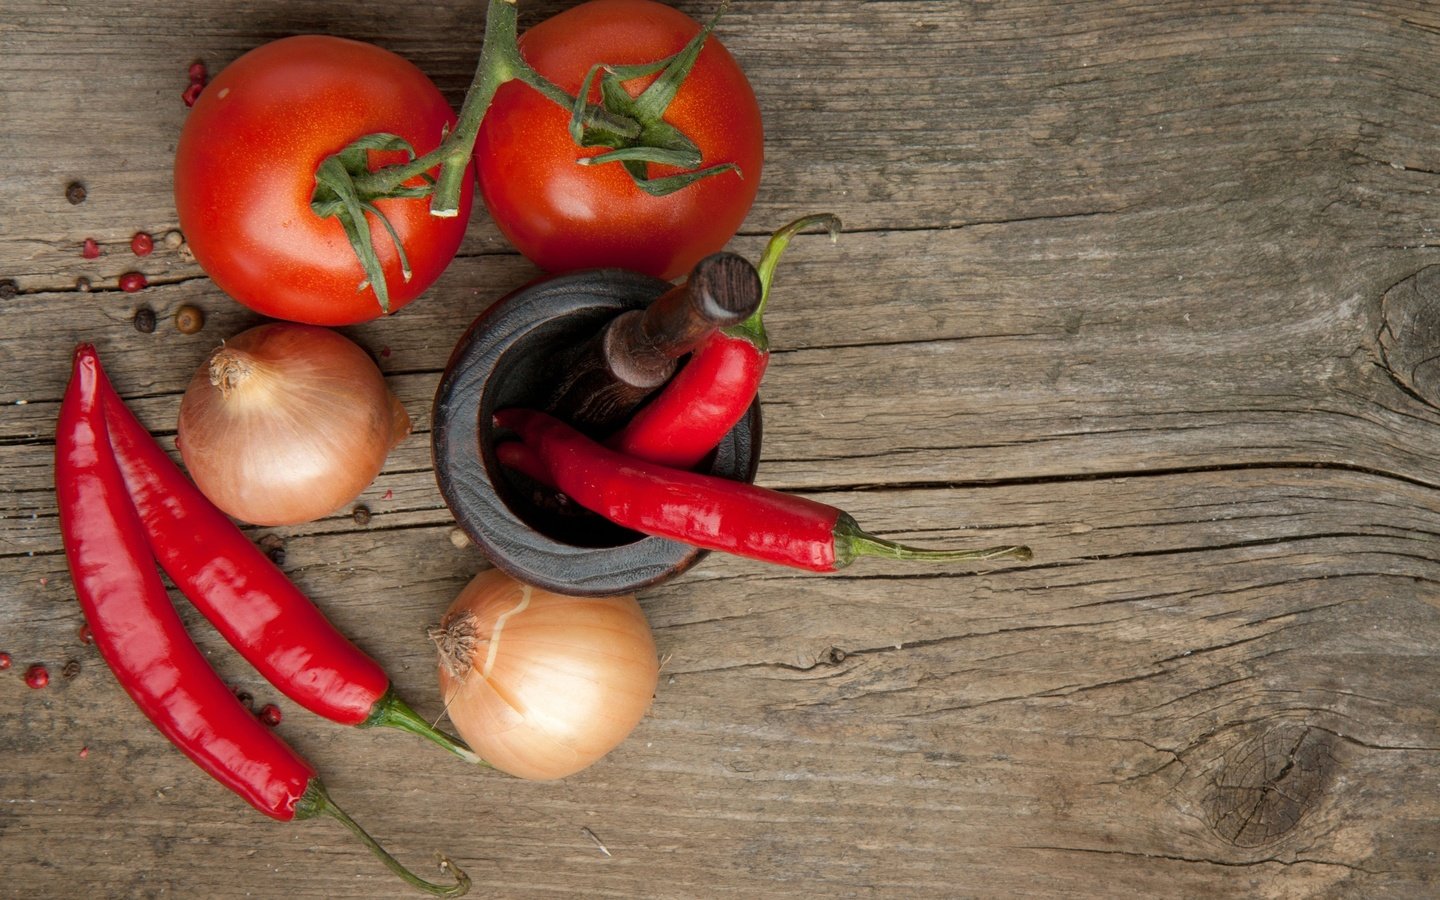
300, 428
550, 683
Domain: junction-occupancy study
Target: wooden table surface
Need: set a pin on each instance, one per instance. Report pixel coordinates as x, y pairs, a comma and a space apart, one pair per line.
1146, 284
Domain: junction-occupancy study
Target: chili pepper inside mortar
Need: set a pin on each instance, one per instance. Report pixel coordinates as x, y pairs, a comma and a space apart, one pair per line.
705, 399
705, 511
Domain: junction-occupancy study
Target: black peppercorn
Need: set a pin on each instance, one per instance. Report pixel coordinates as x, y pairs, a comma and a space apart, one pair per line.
145, 320
361, 515
75, 192
273, 547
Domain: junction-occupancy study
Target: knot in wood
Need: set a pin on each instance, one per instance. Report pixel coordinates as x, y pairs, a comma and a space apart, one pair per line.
1263, 786
1410, 334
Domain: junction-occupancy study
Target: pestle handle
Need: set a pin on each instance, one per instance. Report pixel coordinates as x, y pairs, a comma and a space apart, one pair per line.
639, 350
722, 290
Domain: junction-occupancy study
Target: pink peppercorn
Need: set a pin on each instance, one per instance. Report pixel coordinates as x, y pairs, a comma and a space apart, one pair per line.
142, 244
131, 282
5, 661
37, 676
90, 249
270, 714
192, 93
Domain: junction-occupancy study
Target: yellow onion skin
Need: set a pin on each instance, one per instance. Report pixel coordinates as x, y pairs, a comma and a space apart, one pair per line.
539, 684
287, 423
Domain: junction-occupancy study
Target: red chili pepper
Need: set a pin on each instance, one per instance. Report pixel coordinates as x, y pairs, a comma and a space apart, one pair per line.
706, 511
136, 629
248, 599
711, 393
141, 637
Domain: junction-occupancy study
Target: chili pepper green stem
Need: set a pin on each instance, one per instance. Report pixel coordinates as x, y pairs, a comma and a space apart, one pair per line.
851, 543
390, 711
753, 328
315, 802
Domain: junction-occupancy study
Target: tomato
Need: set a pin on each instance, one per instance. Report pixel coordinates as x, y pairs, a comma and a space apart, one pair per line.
563, 215
245, 172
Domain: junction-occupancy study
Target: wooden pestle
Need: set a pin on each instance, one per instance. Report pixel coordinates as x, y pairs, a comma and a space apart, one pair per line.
637, 351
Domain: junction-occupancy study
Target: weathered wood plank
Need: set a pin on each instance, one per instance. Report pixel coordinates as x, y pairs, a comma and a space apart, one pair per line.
1141, 283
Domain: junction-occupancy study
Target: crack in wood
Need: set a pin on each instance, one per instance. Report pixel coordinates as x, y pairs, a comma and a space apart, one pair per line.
1230, 863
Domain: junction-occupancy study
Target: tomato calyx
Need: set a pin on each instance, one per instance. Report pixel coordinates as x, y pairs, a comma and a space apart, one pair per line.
653, 140
339, 193
632, 129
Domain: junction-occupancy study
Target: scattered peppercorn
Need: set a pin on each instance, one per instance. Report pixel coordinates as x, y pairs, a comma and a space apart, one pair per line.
245, 699
361, 515
189, 319
9, 290
460, 539
173, 239
131, 282
37, 676
84, 752
197, 71
270, 715
145, 320
192, 93
90, 249
273, 547
5, 661
84, 634
82, 284
75, 192
142, 244
71, 669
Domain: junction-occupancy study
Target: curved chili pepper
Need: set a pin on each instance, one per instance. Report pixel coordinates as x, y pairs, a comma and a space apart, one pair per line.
142, 639
711, 393
259, 611
706, 511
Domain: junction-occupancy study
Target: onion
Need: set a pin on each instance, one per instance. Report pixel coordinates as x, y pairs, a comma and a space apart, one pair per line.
541, 685
286, 423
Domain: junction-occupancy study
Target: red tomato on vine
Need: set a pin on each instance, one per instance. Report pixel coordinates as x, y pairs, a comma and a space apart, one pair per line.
246, 168
564, 215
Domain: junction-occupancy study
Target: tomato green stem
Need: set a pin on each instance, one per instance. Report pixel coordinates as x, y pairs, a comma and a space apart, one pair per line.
633, 128
500, 62
316, 802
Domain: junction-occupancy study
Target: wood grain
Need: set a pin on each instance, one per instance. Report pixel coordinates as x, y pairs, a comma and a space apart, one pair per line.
1146, 284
